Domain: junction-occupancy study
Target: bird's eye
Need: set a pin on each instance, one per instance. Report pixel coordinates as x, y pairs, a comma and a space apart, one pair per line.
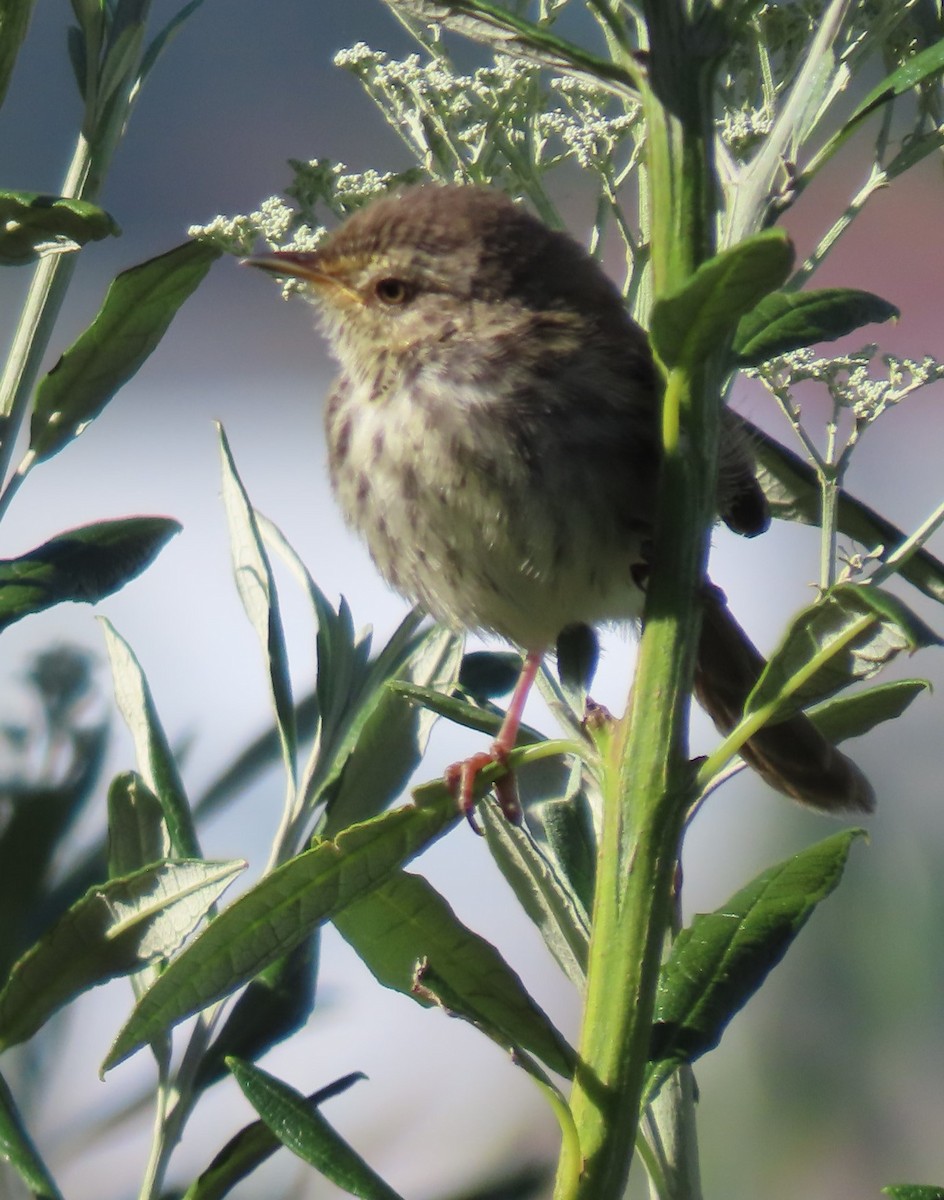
392, 291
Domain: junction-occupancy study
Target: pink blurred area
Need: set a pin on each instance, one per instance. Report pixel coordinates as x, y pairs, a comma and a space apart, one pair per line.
829, 1083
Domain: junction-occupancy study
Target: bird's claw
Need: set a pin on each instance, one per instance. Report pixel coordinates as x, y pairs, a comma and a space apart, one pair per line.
460, 778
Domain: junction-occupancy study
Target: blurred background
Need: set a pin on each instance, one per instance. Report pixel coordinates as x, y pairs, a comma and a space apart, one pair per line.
829, 1084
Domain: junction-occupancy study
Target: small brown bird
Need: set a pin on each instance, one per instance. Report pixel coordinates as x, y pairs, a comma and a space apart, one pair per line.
494, 437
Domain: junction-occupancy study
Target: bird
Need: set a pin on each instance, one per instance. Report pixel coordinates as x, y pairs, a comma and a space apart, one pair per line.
494, 436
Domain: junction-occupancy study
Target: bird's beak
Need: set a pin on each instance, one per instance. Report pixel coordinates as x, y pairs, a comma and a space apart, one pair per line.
307, 267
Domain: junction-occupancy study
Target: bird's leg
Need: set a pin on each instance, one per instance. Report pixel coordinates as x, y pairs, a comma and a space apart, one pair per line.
461, 776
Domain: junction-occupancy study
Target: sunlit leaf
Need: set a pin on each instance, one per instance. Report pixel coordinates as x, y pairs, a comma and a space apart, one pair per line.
785, 321
31, 221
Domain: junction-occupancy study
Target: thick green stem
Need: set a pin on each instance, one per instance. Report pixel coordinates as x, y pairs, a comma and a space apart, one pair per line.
647, 777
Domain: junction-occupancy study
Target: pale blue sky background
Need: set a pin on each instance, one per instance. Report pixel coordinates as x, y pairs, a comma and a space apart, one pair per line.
244, 87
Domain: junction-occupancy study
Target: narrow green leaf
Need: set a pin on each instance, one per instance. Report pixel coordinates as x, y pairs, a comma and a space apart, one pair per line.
913, 1191
307, 1134
139, 306
82, 566
923, 66
541, 892
275, 1005
161, 39
387, 742
693, 323
405, 922
116, 928
17, 1148
850, 634
251, 1147
137, 831
793, 494
723, 957
270, 919
852, 716
155, 759
14, 22
257, 590
785, 321
31, 221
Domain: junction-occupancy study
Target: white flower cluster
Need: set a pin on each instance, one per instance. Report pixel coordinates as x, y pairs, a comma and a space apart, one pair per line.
849, 380
741, 129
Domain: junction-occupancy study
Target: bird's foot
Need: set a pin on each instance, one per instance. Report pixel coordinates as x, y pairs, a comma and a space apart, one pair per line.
461, 776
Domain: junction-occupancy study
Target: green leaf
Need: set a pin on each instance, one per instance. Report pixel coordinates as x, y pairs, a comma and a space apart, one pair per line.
139, 306
794, 495
251, 1147
850, 634
275, 1005
162, 38
694, 322
257, 590
117, 927
155, 759
301, 1128
388, 739
270, 919
405, 923
723, 957
29, 221
913, 1191
923, 66
853, 716
16, 1146
785, 321
542, 892
137, 831
14, 22
83, 565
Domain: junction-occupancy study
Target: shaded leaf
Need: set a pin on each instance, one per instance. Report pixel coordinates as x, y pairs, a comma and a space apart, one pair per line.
257, 591
137, 831
138, 308
785, 321
155, 760
852, 716
270, 919
691, 324
299, 1126
116, 928
16, 1145
82, 566
405, 922
275, 1005
723, 957
251, 1147
850, 634
14, 21
31, 220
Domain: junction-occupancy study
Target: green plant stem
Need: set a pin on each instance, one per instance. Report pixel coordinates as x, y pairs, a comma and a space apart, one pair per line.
647, 784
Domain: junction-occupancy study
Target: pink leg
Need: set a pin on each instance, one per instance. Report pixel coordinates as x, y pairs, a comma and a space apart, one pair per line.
461, 776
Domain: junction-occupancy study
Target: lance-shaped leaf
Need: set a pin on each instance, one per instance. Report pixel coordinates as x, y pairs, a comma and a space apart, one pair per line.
692, 323
83, 565
251, 1147
155, 760
16, 1148
299, 1126
850, 634
256, 586
405, 922
275, 1005
852, 716
723, 957
139, 306
137, 831
116, 928
30, 221
923, 66
785, 321
913, 1191
270, 919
